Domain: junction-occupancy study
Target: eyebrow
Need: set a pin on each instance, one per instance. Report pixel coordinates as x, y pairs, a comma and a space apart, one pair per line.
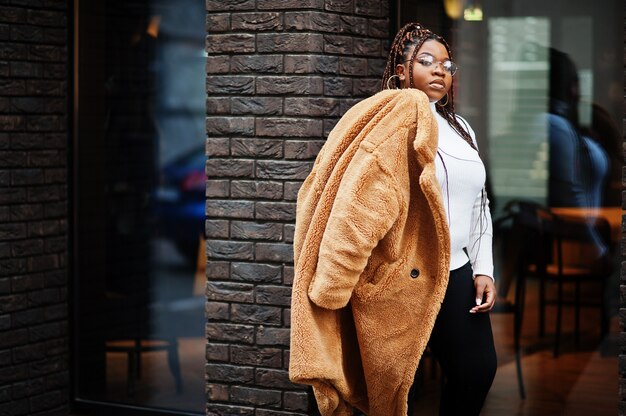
447, 58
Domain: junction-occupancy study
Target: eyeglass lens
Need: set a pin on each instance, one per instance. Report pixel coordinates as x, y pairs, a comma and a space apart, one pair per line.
448, 65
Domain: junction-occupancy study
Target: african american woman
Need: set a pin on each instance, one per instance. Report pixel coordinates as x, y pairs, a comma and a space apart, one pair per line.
392, 248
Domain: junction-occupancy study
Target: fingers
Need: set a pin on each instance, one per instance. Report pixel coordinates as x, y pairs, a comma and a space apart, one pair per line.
480, 288
487, 305
485, 294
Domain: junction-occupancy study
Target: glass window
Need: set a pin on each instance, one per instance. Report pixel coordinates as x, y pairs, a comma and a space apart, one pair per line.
541, 84
139, 203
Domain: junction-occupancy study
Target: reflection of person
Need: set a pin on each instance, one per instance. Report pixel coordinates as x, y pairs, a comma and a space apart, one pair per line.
392, 247
580, 159
578, 164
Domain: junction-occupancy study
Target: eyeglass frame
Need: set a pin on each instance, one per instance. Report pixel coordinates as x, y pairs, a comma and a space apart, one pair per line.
452, 73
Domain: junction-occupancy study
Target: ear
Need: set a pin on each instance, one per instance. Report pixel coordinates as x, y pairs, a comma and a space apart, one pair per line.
400, 71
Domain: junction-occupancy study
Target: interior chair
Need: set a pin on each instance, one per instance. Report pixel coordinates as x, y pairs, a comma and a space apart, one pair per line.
557, 252
574, 259
127, 332
135, 347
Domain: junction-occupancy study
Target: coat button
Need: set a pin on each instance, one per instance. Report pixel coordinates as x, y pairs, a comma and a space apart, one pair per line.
415, 273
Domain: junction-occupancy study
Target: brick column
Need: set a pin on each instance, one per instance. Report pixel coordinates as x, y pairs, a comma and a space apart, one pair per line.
279, 75
34, 340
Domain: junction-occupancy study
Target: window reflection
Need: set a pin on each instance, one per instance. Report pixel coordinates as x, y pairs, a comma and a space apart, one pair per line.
518, 96
540, 83
140, 203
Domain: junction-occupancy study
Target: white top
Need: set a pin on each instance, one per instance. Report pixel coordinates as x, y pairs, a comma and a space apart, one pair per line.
461, 175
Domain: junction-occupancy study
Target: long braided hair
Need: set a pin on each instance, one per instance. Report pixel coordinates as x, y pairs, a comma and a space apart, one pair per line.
413, 35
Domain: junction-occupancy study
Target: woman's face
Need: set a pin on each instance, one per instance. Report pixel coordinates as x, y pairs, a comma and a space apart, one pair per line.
433, 80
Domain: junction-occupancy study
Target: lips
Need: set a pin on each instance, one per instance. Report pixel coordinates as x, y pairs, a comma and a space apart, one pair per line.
437, 84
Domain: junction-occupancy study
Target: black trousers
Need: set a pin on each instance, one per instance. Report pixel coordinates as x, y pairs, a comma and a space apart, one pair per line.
463, 345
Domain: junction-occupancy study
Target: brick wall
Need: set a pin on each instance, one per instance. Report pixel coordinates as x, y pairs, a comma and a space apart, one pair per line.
279, 75
33, 208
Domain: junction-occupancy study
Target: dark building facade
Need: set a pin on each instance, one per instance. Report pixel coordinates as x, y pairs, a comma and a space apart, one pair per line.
34, 95
278, 75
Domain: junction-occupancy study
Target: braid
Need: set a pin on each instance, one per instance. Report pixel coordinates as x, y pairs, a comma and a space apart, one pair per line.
413, 35
406, 36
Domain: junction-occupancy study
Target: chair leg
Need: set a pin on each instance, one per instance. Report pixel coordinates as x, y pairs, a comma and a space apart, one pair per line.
174, 363
559, 313
132, 371
517, 329
542, 307
605, 344
577, 314
137, 351
605, 316
520, 377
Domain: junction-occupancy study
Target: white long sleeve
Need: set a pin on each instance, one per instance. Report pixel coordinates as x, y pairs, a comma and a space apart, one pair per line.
461, 175
480, 239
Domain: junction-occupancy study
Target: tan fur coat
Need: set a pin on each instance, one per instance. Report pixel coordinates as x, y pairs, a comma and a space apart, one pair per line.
371, 257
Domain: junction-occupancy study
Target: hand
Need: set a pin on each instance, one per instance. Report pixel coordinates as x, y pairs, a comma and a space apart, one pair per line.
485, 294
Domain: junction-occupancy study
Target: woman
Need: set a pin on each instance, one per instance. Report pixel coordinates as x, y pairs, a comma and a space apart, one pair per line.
389, 224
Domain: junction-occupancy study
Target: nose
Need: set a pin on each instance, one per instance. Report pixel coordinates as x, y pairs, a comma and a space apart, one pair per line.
438, 68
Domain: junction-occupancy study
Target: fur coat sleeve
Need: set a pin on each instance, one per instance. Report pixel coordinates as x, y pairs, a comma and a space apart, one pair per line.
368, 193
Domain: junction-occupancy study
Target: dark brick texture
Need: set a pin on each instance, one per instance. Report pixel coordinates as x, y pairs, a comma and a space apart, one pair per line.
279, 75
34, 341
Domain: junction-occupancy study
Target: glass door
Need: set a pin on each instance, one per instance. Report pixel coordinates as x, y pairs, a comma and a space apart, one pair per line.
139, 204
541, 84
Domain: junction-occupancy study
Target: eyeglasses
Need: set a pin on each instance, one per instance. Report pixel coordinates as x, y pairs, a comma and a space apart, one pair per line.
427, 61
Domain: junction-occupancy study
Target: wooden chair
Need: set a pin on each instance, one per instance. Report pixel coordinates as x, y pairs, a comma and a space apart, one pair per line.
580, 253
128, 332
135, 347
554, 253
